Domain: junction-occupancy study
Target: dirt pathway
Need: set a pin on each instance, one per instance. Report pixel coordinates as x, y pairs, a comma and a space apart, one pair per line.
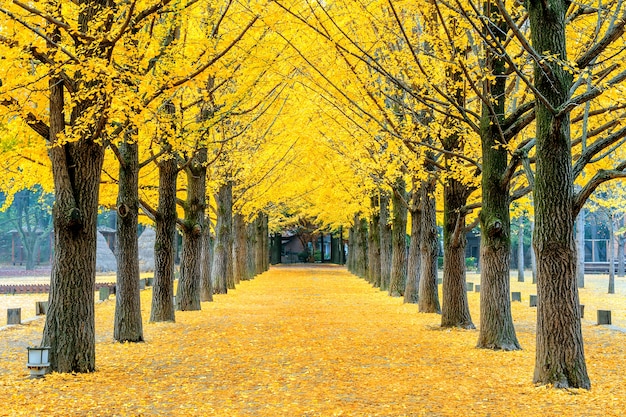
312, 341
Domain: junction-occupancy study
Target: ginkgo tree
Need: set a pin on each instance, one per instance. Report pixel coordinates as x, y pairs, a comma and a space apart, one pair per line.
80, 56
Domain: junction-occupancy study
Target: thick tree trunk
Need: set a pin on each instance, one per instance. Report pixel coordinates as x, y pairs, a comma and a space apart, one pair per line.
164, 244
385, 243
411, 291
128, 326
223, 240
560, 358
373, 245
520, 250
76, 167
580, 249
240, 249
428, 289
496, 321
455, 309
398, 257
188, 294
70, 320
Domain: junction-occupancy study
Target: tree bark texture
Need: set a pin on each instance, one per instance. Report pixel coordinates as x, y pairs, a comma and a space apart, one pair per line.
560, 358
611, 250
385, 243
128, 326
351, 244
621, 269
411, 291
455, 308
223, 239
260, 242
188, 294
533, 259
265, 238
361, 261
496, 322
398, 257
206, 284
520, 249
164, 244
373, 245
240, 249
76, 168
252, 249
70, 320
580, 249
428, 289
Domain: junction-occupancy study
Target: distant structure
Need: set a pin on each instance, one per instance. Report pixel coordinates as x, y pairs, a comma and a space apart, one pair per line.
146, 250
105, 259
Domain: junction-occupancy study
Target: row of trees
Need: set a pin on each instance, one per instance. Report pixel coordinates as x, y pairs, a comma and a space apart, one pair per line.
405, 104
440, 81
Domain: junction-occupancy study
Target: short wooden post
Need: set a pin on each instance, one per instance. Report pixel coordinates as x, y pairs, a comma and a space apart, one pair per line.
41, 308
470, 286
149, 281
582, 311
604, 316
104, 293
533, 300
516, 296
142, 284
477, 288
14, 316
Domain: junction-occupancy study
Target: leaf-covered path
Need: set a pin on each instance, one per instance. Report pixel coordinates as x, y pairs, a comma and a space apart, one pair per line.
307, 341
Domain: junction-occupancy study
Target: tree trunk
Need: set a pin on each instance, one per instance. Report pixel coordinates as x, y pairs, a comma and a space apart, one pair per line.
560, 358
128, 325
620, 256
265, 242
240, 249
252, 249
398, 257
411, 291
260, 242
76, 167
520, 250
428, 290
164, 244
223, 240
580, 249
496, 322
362, 246
188, 294
70, 320
611, 256
455, 308
385, 243
373, 245
533, 259
206, 284
351, 243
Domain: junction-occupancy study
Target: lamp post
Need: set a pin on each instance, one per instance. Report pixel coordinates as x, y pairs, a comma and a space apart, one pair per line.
38, 361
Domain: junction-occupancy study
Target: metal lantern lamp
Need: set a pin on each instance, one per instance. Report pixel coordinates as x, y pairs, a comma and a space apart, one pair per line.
38, 361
